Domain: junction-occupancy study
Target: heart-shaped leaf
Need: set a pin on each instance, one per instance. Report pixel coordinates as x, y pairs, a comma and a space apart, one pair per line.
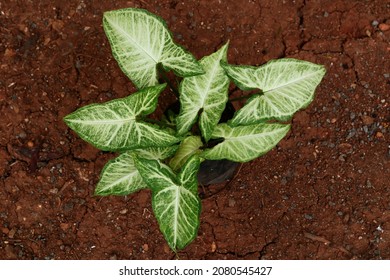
207, 93
120, 176
116, 125
175, 199
287, 86
187, 148
141, 40
244, 143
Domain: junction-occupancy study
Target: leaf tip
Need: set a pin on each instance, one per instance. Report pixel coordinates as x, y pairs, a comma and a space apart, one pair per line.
68, 120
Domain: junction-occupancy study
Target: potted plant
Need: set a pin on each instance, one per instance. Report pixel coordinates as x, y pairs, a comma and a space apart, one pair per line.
165, 155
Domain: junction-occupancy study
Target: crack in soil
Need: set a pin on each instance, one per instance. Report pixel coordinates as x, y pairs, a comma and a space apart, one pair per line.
301, 23
356, 74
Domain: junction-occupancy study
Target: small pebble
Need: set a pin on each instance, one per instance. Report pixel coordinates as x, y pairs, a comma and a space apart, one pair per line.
22, 135
213, 247
308, 217
64, 226
379, 134
145, 247
30, 144
367, 120
124, 211
11, 233
342, 157
331, 145
374, 23
345, 147
384, 27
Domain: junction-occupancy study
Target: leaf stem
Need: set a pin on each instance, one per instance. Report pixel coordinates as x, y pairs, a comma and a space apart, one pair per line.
163, 75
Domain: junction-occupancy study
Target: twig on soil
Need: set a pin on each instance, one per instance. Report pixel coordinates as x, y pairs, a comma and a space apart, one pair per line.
326, 242
67, 184
316, 238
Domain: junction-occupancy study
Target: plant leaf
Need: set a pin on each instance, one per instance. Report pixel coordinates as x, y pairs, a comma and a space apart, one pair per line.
187, 148
140, 40
287, 86
244, 143
120, 177
175, 199
207, 93
114, 125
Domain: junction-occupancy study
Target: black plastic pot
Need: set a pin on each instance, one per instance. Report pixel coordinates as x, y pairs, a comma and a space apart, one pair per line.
218, 171
214, 171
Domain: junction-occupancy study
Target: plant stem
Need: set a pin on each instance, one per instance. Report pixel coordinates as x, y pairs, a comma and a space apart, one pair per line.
163, 75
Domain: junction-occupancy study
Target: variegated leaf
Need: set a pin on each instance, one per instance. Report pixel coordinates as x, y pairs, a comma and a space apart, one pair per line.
244, 143
140, 40
187, 148
175, 199
115, 125
207, 93
120, 176
287, 86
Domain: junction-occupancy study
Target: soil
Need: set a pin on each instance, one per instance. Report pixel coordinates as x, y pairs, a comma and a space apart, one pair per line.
322, 193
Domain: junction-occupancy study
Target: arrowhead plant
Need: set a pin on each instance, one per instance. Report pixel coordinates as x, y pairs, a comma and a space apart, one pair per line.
165, 155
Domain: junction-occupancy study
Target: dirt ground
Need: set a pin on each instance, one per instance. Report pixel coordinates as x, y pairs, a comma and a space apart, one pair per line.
322, 193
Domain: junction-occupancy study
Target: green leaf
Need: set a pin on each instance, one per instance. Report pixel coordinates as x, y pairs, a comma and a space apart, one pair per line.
287, 86
120, 176
244, 143
188, 147
140, 40
207, 93
115, 125
175, 199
